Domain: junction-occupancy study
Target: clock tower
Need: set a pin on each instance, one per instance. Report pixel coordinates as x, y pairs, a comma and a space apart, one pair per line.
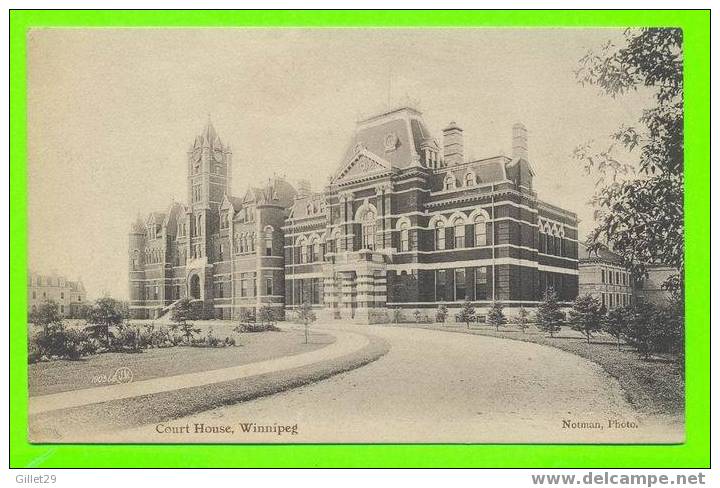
208, 181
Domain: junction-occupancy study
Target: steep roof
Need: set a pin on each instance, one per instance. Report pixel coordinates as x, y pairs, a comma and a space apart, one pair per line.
397, 136
601, 254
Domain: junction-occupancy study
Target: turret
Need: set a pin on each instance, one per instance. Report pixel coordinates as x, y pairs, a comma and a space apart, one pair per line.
453, 150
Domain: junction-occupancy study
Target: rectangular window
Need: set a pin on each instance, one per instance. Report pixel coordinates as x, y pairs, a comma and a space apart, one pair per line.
611, 300
602, 299
268, 246
315, 284
243, 285
156, 292
268, 286
62, 308
440, 281
602, 276
460, 236
460, 292
439, 238
34, 295
481, 283
221, 251
62, 296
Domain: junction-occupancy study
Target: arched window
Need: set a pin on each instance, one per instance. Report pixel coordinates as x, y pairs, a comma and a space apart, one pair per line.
480, 231
439, 236
469, 179
338, 242
368, 230
135, 259
252, 242
459, 225
404, 237
449, 182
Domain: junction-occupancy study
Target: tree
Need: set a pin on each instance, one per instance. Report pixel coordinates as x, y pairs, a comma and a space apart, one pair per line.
441, 314
639, 208
522, 320
181, 316
467, 313
549, 317
46, 313
266, 315
495, 316
639, 322
306, 317
105, 313
615, 324
585, 316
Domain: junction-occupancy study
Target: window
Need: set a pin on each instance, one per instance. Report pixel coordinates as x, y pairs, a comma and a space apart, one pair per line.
317, 254
62, 308
480, 231
34, 294
404, 237
602, 278
481, 283
449, 183
244, 283
602, 299
460, 292
338, 242
44, 294
469, 179
62, 296
459, 233
268, 286
368, 230
439, 236
268, 243
304, 253
440, 282
156, 292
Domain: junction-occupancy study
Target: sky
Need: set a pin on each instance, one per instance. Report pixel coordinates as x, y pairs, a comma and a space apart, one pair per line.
112, 112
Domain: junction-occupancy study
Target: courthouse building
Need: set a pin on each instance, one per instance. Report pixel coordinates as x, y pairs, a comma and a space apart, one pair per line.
406, 220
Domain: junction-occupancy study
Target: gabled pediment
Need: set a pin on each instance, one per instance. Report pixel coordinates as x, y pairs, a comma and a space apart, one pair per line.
363, 163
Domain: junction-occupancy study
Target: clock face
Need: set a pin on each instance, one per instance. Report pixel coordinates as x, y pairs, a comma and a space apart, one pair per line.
218, 156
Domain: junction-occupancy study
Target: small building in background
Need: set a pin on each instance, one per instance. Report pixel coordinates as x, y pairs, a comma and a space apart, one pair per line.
650, 288
69, 295
603, 276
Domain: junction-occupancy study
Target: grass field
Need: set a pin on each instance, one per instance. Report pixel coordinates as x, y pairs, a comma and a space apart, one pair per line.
655, 387
63, 375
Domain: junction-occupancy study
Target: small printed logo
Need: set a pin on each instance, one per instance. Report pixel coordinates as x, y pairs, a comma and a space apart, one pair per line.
121, 375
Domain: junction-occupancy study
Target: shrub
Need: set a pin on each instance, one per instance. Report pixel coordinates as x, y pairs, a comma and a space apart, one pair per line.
154, 336
441, 314
615, 324
495, 316
246, 315
229, 341
467, 313
522, 320
398, 315
34, 352
378, 316
306, 316
55, 341
418, 316
181, 314
127, 339
266, 315
585, 316
639, 326
549, 317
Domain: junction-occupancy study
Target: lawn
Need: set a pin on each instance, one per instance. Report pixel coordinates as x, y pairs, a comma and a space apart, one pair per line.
64, 375
653, 387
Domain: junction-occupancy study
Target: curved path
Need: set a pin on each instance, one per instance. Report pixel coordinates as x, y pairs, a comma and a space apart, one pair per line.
435, 386
346, 343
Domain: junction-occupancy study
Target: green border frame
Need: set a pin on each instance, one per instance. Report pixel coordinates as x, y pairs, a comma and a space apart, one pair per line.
694, 453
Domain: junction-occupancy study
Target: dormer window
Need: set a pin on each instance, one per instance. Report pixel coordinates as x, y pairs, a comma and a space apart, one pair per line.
449, 182
469, 179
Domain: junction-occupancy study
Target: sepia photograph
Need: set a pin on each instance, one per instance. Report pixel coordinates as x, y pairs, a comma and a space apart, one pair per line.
355, 235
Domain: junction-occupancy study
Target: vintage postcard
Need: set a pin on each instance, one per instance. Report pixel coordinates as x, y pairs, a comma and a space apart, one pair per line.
355, 235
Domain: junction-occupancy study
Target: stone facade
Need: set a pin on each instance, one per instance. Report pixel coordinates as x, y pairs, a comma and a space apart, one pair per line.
603, 276
402, 223
69, 295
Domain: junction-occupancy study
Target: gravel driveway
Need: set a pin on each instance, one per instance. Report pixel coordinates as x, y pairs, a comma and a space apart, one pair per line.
441, 387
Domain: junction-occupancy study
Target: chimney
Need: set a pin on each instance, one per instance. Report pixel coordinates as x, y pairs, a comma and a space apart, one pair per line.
519, 142
453, 145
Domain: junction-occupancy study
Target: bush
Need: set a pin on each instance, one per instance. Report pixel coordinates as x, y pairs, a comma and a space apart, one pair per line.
246, 315
127, 339
153, 336
467, 313
585, 316
495, 316
255, 327
522, 320
398, 315
57, 342
549, 318
441, 314
378, 316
